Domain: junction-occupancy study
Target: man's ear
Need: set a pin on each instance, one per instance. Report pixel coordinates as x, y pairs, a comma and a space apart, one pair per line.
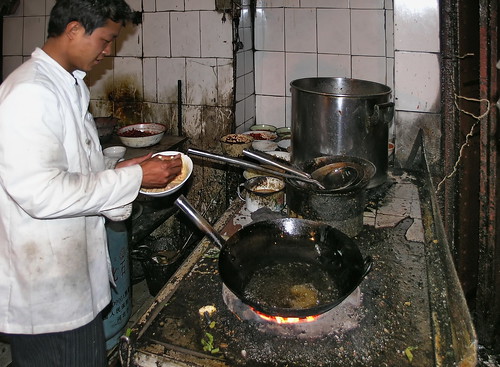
73, 29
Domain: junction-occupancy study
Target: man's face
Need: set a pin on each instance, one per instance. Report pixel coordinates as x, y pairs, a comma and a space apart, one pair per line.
89, 49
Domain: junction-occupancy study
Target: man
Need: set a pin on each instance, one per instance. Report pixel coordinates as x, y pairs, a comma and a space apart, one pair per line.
55, 193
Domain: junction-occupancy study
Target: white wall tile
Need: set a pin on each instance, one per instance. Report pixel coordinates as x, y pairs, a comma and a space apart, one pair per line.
127, 75
49, 4
390, 73
389, 4
389, 33
165, 5
367, 4
201, 82
100, 79
240, 64
135, 4
246, 36
270, 73
270, 28
288, 112
185, 28
369, 68
277, 3
250, 112
240, 89
239, 114
216, 36
200, 4
249, 85
270, 110
339, 4
225, 82
149, 5
249, 63
300, 30
156, 34
334, 66
34, 8
417, 82
416, 25
334, 31
299, 65
149, 78
10, 63
368, 32
170, 71
245, 17
33, 34
129, 42
12, 36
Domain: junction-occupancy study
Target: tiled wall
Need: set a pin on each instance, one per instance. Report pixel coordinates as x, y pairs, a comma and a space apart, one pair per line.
394, 42
179, 40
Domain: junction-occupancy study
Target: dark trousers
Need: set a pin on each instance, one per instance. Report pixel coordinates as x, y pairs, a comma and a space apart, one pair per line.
82, 347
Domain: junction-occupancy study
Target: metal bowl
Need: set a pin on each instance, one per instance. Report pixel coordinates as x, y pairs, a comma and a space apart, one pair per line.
365, 170
141, 135
233, 144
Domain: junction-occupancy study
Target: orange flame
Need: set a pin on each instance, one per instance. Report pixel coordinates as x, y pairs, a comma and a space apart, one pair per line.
286, 320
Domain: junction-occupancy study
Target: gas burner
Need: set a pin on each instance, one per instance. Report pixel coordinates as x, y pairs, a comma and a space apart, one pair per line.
343, 317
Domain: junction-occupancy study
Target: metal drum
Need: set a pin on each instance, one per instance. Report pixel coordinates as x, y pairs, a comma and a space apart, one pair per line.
341, 116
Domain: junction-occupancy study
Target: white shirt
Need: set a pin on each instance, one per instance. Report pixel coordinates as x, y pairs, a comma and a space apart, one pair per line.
54, 191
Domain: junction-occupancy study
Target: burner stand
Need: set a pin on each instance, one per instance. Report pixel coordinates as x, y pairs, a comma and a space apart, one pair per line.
343, 317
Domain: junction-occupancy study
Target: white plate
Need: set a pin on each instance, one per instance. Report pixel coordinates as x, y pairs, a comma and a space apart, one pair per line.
285, 144
186, 162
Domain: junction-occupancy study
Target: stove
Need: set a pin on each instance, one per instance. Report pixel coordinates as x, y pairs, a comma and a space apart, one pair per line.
398, 316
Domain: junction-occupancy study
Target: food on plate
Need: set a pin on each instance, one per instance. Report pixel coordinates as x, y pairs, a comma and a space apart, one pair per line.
176, 181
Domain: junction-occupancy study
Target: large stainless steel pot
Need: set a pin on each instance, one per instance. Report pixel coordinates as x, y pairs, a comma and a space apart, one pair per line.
341, 116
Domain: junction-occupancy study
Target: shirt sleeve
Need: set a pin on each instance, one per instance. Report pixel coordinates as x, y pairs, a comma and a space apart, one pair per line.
44, 164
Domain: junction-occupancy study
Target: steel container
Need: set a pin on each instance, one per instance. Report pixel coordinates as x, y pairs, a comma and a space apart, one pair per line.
341, 116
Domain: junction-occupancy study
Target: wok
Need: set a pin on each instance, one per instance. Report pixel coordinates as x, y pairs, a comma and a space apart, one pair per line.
326, 264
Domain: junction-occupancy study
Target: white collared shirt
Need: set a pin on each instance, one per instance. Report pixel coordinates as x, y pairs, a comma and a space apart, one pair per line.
54, 191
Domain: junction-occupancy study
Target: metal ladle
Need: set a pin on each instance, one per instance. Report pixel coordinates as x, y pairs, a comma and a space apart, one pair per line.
334, 176
256, 167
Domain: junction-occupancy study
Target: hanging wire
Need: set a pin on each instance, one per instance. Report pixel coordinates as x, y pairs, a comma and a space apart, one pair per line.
468, 136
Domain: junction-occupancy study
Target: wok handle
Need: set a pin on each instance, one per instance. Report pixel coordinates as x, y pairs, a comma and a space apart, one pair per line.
248, 165
183, 204
269, 159
367, 265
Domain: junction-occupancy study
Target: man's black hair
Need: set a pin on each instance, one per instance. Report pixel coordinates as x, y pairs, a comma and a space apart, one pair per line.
91, 14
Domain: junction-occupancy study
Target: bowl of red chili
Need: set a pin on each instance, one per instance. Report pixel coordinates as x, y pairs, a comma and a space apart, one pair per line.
141, 135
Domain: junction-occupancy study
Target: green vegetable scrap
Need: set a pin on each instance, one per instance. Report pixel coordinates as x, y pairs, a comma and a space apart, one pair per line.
208, 344
409, 354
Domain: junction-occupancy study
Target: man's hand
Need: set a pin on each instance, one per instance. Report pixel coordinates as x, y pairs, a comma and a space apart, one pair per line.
159, 171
